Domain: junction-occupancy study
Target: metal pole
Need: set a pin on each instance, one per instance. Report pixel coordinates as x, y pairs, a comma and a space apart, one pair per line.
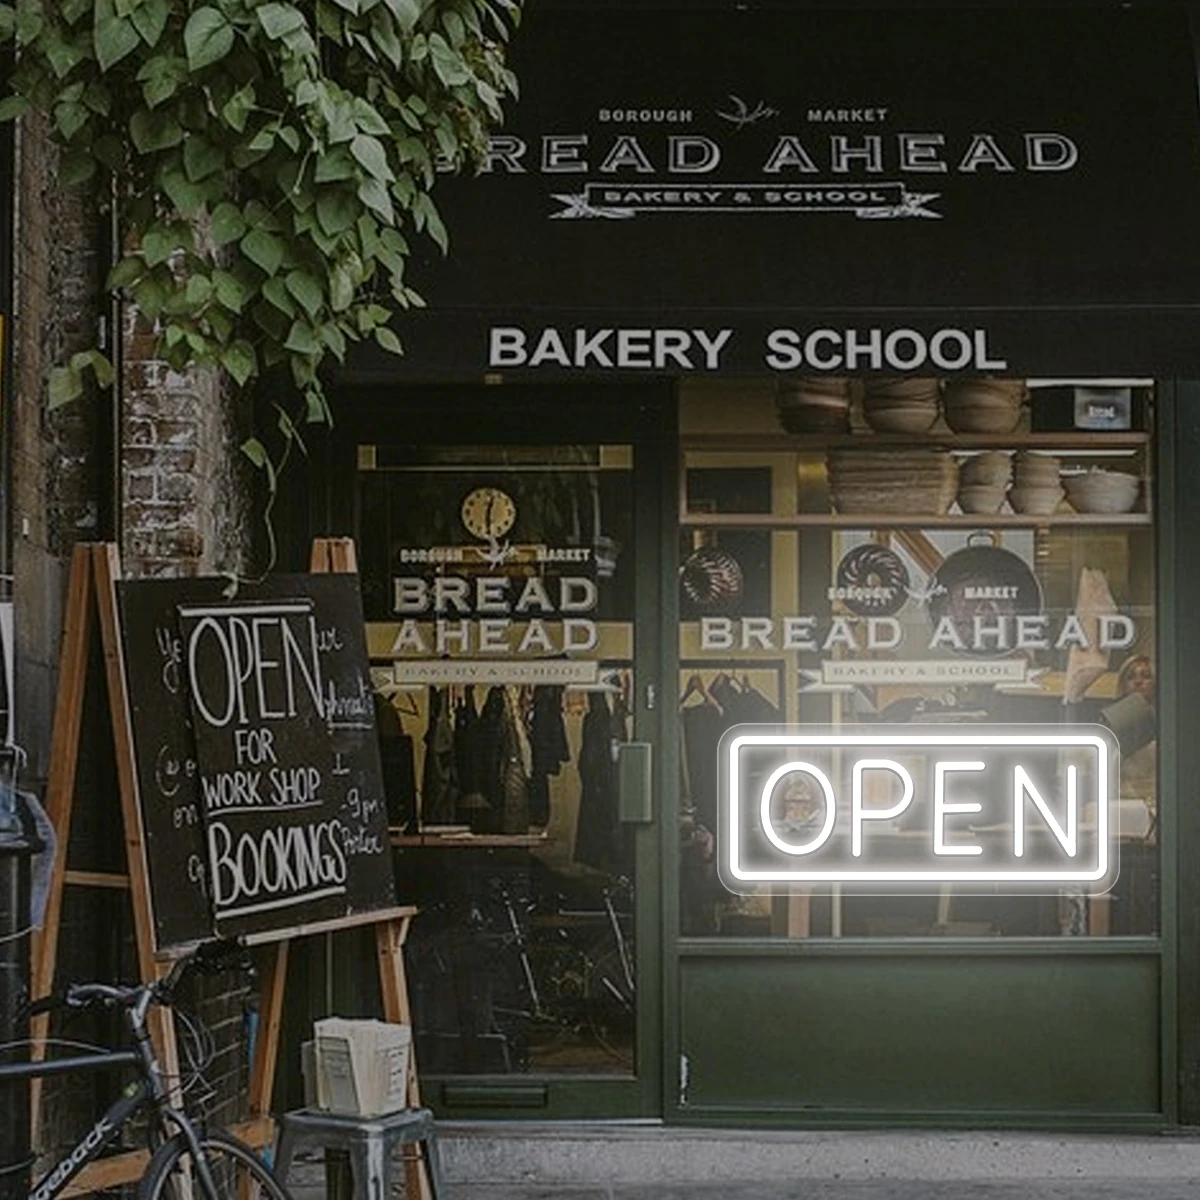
17, 847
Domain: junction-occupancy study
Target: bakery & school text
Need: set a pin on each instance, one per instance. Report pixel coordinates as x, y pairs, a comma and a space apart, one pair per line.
873, 349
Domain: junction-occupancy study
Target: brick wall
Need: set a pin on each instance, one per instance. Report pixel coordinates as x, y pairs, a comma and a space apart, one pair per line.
181, 510
185, 487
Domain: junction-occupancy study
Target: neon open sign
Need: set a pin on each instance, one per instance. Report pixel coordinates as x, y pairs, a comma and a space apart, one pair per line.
913, 807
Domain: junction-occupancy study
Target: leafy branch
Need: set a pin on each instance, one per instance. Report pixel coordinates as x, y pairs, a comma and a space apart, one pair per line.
272, 162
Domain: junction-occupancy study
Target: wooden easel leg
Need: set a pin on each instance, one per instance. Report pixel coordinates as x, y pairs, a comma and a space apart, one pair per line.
106, 569
60, 795
389, 948
270, 1021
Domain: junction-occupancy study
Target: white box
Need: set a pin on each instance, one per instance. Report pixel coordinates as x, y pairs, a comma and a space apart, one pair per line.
361, 1066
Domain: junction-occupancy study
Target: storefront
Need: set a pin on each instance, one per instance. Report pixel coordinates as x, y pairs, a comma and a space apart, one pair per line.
821, 368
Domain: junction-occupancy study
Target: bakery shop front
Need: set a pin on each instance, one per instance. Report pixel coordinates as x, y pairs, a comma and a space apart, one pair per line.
812, 370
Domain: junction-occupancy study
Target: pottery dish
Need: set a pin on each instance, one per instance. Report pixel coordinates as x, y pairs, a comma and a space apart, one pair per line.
1035, 500
1101, 491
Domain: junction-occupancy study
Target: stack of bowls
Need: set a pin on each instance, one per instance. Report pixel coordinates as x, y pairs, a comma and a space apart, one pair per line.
983, 481
814, 405
1037, 488
901, 405
917, 481
984, 405
1099, 491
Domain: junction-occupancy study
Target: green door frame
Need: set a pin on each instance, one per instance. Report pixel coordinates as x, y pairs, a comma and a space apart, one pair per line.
641, 414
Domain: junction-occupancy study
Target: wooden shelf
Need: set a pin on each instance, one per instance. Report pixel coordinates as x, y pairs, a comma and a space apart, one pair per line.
936, 439
908, 520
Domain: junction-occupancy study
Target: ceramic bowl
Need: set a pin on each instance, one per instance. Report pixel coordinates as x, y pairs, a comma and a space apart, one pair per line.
1037, 500
915, 417
1103, 491
981, 498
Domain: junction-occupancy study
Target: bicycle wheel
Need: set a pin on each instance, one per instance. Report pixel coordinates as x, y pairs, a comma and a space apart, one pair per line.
237, 1171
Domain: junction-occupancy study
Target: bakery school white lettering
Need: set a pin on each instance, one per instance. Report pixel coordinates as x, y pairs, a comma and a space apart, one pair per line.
623, 349
949, 349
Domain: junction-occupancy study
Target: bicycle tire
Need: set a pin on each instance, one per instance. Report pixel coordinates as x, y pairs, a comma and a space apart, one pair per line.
233, 1164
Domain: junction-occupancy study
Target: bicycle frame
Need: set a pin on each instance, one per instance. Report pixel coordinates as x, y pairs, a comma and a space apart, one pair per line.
147, 1090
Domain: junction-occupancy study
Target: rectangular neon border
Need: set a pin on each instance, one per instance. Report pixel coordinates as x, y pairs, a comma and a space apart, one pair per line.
833, 740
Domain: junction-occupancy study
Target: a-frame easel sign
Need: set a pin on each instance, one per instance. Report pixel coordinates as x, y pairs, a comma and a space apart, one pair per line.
249, 778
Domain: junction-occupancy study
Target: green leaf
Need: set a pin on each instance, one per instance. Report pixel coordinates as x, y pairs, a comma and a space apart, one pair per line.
456, 31
372, 157
129, 270
150, 295
238, 107
65, 385
207, 37
252, 448
316, 408
447, 63
278, 20
264, 139
367, 118
199, 290
337, 164
154, 130
161, 77
374, 194
13, 106
388, 340
226, 223
230, 290
29, 22
336, 210
150, 19
201, 158
62, 56
290, 138
333, 337
277, 294
113, 37
239, 359
406, 12
97, 362
307, 289
300, 339
188, 197
158, 245
341, 288
263, 249
383, 33
8, 22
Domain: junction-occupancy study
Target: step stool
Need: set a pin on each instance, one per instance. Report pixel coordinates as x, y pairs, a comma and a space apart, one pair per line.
369, 1143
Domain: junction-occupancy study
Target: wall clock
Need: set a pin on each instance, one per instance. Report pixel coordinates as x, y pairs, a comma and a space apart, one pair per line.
488, 512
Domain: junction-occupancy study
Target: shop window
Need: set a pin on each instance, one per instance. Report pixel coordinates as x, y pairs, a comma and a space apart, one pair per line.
910, 551
498, 585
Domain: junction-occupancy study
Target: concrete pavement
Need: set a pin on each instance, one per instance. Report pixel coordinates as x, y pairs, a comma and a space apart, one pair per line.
648, 1162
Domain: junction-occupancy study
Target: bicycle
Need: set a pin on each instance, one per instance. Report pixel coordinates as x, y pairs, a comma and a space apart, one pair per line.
186, 1162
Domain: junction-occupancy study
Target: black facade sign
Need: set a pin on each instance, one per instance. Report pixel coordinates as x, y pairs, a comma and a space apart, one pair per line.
814, 191
257, 756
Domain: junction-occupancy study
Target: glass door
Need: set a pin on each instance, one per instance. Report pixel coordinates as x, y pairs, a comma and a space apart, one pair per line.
502, 584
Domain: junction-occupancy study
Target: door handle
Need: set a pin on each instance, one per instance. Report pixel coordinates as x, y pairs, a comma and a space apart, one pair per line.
635, 783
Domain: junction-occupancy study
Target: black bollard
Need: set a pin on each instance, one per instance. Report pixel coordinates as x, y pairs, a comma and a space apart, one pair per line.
17, 848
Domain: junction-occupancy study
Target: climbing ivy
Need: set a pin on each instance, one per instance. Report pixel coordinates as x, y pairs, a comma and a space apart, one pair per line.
271, 162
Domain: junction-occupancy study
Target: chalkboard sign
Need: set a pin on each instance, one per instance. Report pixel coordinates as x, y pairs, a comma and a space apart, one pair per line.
256, 751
